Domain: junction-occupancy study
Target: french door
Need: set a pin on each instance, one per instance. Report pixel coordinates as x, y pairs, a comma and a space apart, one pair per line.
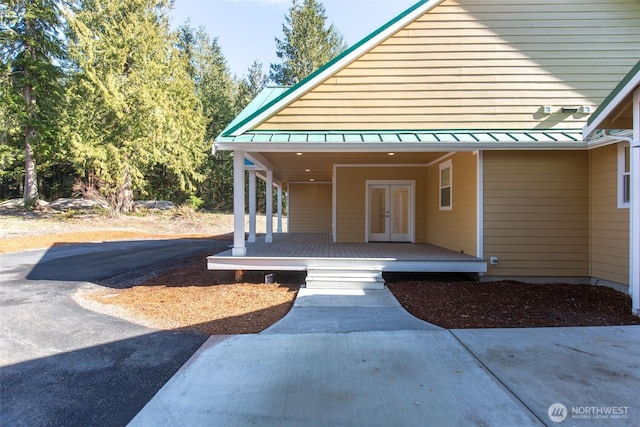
390, 212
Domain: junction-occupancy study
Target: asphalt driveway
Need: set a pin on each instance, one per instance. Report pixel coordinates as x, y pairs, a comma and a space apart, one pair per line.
63, 365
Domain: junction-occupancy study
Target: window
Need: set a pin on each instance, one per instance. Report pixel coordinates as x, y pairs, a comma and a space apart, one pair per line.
446, 193
624, 175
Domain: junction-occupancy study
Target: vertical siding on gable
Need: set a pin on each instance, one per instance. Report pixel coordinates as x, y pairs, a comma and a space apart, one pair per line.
480, 64
609, 225
455, 229
351, 198
310, 208
536, 213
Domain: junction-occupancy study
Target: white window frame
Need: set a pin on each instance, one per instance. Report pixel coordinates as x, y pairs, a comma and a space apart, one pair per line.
624, 176
443, 166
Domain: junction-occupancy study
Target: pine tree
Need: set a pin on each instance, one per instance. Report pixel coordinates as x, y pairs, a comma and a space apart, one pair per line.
307, 44
250, 86
210, 73
132, 108
30, 54
215, 89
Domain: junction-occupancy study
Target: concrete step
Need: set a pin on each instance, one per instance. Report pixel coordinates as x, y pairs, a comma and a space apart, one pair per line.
342, 278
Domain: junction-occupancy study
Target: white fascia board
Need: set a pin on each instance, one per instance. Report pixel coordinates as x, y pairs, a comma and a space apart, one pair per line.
609, 139
361, 50
626, 91
252, 148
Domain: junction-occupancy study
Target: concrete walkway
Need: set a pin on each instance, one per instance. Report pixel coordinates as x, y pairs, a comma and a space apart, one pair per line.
357, 358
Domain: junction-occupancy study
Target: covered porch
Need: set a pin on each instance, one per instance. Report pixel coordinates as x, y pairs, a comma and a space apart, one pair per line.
308, 251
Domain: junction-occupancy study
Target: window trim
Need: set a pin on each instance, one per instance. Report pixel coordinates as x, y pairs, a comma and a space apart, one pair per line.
624, 176
443, 166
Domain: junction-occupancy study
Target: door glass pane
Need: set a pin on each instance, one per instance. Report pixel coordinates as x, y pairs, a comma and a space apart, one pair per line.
400, 210
377, 212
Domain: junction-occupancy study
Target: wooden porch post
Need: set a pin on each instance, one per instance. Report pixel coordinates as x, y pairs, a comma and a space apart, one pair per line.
634, 211
279, 208
269, 237
252, 206
239, 248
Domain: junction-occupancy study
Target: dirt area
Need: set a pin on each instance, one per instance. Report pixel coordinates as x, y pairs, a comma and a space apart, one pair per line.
191, 297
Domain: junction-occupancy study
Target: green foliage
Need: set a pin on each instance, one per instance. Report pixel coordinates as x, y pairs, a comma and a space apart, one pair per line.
31, 87
307, 44
132, 109
210, 73
195, 202
250, 86
103, 91
215, 90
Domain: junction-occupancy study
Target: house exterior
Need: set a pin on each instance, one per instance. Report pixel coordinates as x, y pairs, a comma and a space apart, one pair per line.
459, 124
620, 111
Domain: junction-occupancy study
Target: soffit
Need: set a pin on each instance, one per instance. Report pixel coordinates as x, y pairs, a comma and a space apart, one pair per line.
318, 166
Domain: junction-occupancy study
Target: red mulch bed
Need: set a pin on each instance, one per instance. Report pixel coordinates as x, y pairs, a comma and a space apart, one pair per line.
453, 303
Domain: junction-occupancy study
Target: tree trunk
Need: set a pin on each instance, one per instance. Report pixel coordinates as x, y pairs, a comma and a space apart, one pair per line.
124, 196
30, 192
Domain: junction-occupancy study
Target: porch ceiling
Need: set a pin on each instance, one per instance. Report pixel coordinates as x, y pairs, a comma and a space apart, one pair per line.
308, 166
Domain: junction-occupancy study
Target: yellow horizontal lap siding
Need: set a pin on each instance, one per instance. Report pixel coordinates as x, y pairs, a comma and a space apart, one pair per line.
489, 65
394, 122
536, 213
310, 208
436, 54
351, 191
609, 224
454, 229
436, 93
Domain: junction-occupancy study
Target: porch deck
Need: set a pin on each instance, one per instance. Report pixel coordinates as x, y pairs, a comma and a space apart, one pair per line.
299, 252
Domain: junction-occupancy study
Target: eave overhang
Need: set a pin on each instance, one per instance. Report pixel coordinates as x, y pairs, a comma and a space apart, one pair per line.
402, 141
615, 112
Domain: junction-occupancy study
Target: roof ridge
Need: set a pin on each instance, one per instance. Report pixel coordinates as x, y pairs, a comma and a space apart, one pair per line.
232, 130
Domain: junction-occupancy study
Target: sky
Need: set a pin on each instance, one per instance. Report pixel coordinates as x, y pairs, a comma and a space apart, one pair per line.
246, 29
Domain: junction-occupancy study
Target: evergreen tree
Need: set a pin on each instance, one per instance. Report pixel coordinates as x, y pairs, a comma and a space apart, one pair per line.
30, 54
307, 44
250, 86
215, 89
210, 73
132, 109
